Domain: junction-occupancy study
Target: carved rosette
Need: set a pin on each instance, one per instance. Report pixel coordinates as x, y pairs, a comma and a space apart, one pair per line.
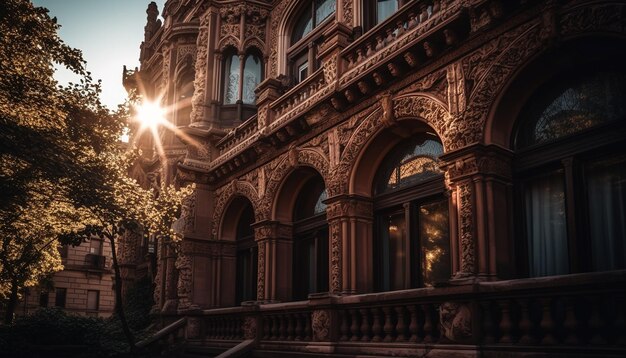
320, 322
456, 322
249, 327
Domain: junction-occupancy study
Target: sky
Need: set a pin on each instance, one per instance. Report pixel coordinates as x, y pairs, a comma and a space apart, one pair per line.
108, 32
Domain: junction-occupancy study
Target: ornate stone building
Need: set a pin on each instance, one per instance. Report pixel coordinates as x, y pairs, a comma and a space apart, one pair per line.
393, 178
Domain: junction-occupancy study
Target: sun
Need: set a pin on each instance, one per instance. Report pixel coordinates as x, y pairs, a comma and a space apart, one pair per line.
150, 115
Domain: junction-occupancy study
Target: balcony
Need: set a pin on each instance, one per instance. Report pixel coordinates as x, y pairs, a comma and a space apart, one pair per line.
95, 262
564, 315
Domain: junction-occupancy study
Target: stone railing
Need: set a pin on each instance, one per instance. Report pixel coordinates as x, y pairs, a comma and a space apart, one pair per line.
237, 135
299, 97
573, 313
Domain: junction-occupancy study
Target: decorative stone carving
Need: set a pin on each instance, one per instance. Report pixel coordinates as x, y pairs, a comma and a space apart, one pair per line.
335, 257
249, 327
456, 322
347, 12
606, 17
466, 229
456, 88
184, 264
320, 323
278, 11
185, 50
199, 84
330, 69
225, 194
193, 328
260, 287
386, 103
435, 113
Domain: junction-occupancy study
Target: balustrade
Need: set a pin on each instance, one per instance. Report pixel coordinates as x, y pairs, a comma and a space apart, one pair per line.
554, 312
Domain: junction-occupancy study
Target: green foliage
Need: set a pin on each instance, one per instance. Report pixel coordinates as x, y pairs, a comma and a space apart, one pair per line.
57, 333
138, 303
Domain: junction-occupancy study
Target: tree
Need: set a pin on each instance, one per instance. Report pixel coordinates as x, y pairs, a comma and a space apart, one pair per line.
63, 172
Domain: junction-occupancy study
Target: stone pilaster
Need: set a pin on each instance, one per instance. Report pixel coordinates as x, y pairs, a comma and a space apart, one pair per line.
479, 179
350, 228
274, 240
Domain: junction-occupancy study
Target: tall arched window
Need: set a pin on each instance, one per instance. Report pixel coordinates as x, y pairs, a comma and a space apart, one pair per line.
184, 94
239, 88
310, 246
247, 256
412, 246
571, 174
301, 53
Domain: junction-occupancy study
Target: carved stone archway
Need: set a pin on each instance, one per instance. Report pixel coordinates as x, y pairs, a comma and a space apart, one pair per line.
226, 194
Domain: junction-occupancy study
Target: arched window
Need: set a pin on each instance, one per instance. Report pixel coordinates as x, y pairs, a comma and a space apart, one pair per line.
237, 88
247, 256
301, 53
310, 246
571, 174
184, 94
412, 246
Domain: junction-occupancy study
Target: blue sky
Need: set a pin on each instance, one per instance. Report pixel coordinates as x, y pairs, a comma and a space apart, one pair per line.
108, 32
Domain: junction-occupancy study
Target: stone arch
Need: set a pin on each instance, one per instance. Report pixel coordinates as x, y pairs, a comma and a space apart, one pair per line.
392, 112
278, 38
287, 163
511, 73
254, 44
228, 227
225, 195
228, 41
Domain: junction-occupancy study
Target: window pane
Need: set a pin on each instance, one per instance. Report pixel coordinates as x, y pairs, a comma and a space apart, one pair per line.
323, 9
546, 226
303, 71
303, 27
559, 111
384, 9
93, 298
606, 187
409, 163
231, 80
434, 242
392, 252
251, 79
60, 294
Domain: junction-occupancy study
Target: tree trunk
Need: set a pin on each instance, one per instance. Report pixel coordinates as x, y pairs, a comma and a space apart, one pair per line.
119, 307
8, 317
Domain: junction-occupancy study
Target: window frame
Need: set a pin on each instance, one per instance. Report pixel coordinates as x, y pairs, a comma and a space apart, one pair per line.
407, 199
246, 248
304, 49
569, 154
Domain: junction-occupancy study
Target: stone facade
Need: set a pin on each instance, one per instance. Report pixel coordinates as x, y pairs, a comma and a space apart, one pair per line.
456, 70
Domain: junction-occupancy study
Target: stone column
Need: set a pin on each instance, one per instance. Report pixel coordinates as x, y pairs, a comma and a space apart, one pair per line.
274, 240
350, 244
170, 277
479, 179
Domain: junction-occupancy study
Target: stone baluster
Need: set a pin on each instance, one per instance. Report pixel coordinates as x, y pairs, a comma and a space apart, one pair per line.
307, 326
413, 326
505, 322
596, 322
354, 324
525, 324
428, 324
275, 324
266, 327
376, 326
299, 327
365, 325
282, 326
547, 322
343, 326
388, 327
400, 324
570, 324
488, 323
290, 327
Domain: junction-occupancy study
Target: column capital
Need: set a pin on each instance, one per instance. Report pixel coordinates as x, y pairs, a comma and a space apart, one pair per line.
341, 206
477, 159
